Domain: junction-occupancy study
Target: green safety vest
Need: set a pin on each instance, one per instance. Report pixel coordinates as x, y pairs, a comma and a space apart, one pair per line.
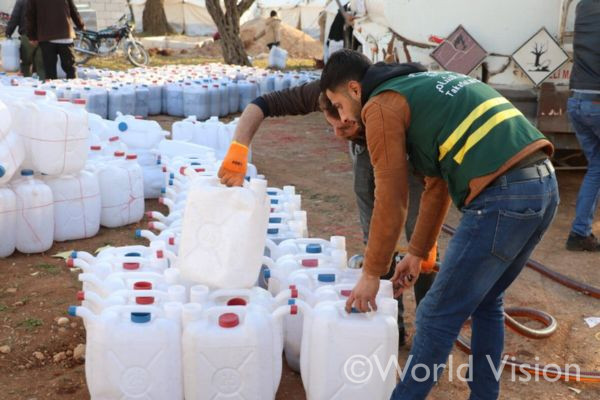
460, 128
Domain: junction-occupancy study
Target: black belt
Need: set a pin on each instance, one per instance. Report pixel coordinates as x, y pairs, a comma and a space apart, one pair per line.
586, 96
539, 170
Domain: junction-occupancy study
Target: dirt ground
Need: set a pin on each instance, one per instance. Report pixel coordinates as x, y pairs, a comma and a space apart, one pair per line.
35, 290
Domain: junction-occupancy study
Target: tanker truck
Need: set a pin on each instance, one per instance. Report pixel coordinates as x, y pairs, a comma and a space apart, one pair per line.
412, 30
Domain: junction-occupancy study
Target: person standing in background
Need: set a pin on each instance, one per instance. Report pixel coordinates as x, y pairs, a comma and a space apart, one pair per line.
30, 55
50, 23
584, 112
271, 31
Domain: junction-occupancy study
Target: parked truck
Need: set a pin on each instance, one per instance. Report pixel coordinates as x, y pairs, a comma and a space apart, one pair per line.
410, 30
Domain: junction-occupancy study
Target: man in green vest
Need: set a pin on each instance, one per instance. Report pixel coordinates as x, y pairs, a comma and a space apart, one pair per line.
477, 151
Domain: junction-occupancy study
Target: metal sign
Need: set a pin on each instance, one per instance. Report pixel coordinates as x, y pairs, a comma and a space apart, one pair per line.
540, 56
459, 52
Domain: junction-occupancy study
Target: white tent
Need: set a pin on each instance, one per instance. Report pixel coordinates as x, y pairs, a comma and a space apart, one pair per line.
197, 20
301, 14
6, 6
184, 16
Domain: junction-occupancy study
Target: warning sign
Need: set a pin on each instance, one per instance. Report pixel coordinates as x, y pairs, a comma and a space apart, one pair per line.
459, 52
540, 56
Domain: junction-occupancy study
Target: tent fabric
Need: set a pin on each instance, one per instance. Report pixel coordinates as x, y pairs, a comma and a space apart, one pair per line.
6, 6
192, 18
300, 14
174, 14
197, 20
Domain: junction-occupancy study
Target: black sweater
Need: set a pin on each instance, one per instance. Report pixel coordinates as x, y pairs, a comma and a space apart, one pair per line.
586, 46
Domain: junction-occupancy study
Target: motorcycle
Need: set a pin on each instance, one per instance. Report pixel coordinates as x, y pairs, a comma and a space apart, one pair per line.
107, 41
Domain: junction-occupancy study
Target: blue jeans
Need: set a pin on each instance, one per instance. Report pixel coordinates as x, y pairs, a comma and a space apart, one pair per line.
498, 231
585, 117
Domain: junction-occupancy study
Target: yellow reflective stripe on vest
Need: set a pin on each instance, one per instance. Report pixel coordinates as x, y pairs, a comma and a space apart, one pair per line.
467, 122
484, 130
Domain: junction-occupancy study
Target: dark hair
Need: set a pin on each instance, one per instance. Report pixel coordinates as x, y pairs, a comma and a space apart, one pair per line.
273, 13
326, 106
343, 66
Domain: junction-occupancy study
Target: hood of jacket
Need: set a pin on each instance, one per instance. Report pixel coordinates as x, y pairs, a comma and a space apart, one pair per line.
380, 72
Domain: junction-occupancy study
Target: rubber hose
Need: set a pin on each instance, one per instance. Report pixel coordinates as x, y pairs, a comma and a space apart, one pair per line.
549, 322
538, 369
553, 275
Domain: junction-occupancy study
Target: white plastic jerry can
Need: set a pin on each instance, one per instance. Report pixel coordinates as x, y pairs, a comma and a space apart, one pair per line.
154, 251
12, 155
332, 337
59, 143
153, 180
35, 214
232, 352
280, 232
138, 295
8, 221
223, 235
168, 238
184, 130
122, 190
255, 296
5, 120
341, 291
133, 352
10, 54
136, 189
309, 246
77, 205
105, 267
139, 133
278, 274
126, 280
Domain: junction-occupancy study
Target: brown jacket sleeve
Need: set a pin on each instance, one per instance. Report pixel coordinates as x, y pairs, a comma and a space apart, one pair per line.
299, 100
386, 118
433, 209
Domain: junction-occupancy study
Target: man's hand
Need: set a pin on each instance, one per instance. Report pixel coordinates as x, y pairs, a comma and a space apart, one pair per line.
34, 43
364, 293
406, 274
234, 166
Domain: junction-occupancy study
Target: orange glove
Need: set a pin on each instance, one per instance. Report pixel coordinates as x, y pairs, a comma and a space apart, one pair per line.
234, 166
428, 265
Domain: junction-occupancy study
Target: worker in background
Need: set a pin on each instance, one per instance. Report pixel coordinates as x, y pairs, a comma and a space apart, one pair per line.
50, 24
584, 112
31, 56
304, 100
271, 31
335, 38
474, 148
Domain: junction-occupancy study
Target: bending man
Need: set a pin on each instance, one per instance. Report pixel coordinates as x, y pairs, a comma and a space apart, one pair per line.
476, 150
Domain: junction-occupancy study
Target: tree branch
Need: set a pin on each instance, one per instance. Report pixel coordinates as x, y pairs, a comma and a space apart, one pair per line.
214, 9
243, 6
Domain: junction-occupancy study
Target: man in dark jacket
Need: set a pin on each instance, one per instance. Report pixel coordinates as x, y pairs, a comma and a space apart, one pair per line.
29, 54
49, 23
584, 111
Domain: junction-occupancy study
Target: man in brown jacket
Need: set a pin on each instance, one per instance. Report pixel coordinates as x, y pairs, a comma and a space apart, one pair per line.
50, 23
271, 31
477, 151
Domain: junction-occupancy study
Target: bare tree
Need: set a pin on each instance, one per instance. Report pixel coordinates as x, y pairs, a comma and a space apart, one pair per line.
538, 51
228, 24
154, 18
